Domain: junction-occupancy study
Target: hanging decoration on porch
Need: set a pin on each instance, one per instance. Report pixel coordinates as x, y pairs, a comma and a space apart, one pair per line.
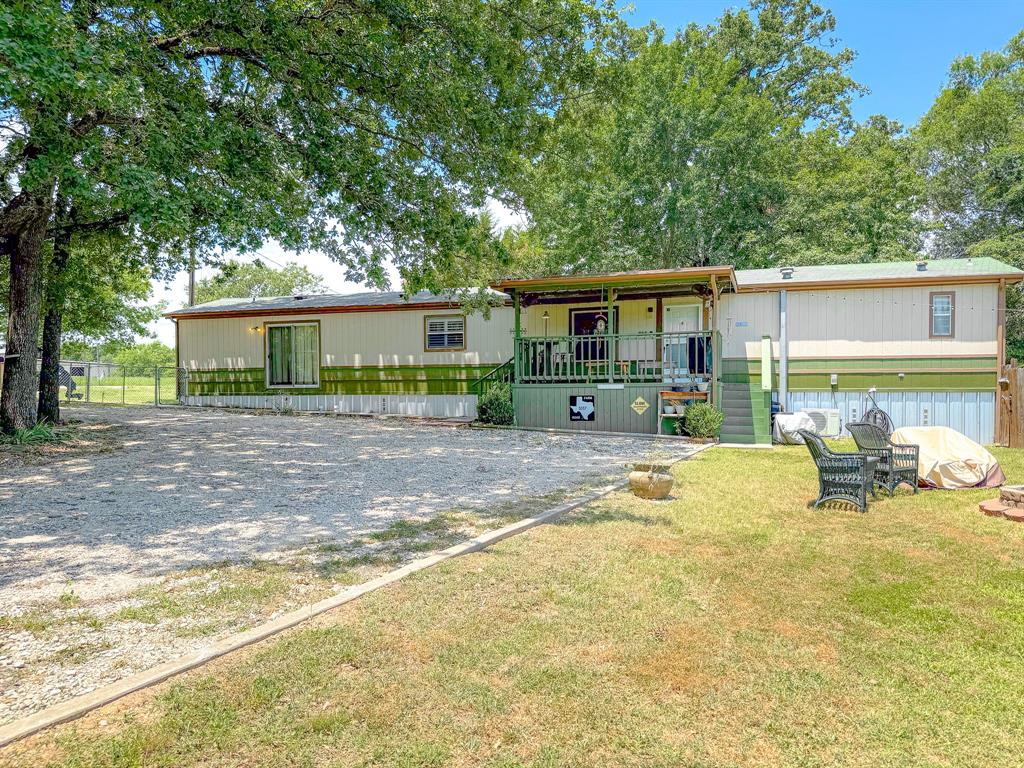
640, 406
581, 408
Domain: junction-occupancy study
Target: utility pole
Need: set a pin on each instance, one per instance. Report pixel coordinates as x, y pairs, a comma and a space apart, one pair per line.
191, 274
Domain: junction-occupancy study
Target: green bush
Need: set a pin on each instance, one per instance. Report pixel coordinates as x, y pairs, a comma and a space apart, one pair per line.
36, 435
495, 405
701, 420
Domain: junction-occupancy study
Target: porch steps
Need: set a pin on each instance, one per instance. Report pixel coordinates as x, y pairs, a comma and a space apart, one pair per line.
747, 412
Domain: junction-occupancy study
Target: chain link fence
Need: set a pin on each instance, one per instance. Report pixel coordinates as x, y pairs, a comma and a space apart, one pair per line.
122, 384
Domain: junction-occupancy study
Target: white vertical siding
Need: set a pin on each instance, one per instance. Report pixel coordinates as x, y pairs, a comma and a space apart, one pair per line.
861, 322
385, 338
744, 319
428, 406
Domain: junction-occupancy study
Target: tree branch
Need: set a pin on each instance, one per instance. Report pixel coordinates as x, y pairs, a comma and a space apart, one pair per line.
78, 227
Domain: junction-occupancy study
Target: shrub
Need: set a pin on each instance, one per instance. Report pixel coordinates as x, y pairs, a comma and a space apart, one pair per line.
495, 405
701, 420
37, 435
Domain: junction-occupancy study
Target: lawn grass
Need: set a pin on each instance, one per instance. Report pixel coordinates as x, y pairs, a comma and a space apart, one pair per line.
732, 626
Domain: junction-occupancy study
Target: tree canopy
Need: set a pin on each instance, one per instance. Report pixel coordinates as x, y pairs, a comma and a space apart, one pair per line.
972, 149
366, 130
683, 154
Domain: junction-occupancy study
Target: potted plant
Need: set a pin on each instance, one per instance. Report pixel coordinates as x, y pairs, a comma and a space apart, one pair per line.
650, 479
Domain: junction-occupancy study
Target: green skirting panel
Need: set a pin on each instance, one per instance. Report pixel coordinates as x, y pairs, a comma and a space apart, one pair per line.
365, 380
546, 406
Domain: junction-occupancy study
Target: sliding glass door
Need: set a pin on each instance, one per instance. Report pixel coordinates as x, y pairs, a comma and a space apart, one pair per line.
293, 355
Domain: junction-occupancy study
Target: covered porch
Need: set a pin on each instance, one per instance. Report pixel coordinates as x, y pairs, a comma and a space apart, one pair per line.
644, 334
637, 327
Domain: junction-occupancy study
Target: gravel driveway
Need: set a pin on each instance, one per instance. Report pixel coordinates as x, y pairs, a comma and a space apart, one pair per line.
102, 553
195, 486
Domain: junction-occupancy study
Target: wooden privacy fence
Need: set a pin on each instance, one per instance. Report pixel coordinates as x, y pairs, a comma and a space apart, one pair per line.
1010, 406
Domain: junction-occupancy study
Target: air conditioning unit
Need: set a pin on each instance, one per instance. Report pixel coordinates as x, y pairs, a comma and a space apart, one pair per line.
826, 421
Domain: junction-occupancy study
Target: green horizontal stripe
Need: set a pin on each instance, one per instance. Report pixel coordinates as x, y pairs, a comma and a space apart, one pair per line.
862, 373
835, 365
364, 380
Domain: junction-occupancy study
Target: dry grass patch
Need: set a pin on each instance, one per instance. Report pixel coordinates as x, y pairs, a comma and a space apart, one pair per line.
731, 626
72, 438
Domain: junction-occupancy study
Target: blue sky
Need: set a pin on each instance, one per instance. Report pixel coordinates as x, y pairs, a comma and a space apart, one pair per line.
904, 47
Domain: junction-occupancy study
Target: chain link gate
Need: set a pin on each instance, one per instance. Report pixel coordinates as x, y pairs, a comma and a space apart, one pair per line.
117, 384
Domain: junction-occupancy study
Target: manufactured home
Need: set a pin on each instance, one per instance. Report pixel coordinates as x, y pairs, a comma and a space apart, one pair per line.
609, 352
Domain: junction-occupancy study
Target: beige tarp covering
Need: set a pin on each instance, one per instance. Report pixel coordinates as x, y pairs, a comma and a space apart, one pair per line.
951, 460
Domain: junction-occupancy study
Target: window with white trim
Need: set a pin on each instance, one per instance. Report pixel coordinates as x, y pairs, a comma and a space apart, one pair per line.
293, 355
941, 314
442, 332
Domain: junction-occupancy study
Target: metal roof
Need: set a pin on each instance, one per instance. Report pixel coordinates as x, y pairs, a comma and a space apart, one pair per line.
323, 301
638, 277
982, 269
936, 271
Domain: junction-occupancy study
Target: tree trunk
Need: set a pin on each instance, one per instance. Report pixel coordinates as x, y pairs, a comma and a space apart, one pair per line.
53, 295
49, 371
25, 220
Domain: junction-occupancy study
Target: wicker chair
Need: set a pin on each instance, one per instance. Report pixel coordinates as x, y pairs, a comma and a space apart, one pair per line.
879, 418
841, 476
896, 463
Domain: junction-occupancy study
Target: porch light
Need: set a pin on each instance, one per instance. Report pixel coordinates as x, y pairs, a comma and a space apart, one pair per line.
545, 317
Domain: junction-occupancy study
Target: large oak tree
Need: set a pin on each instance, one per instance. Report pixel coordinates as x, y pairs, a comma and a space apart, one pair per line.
370, 129
683, 155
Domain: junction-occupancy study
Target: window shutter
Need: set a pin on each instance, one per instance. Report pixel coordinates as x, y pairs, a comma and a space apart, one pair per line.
445, 332
436, 333
456, 337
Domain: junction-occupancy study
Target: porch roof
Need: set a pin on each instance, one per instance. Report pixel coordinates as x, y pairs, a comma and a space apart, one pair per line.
648, 278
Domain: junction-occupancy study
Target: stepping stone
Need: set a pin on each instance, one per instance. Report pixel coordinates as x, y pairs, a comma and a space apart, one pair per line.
1017, 515
994, 508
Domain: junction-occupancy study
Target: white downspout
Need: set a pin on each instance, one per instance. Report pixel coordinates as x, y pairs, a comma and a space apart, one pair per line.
783, 353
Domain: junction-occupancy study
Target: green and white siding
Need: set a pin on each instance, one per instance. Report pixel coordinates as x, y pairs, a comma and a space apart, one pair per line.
370, 362
866, 337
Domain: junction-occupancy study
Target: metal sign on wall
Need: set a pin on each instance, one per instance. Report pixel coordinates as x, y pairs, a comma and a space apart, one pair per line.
581, 408
640, 406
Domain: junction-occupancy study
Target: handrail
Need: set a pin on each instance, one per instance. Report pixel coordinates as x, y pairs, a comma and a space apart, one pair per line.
501, 374
654, 356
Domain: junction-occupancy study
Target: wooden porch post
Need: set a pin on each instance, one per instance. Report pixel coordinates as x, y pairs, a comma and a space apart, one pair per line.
516, 372
716, 353
610, 332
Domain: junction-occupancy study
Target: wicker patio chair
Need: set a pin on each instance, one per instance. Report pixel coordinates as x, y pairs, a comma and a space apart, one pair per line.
897, 463
841, 476
879, 418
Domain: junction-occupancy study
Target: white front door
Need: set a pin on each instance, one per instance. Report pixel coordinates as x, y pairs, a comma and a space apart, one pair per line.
680, 318
677, 351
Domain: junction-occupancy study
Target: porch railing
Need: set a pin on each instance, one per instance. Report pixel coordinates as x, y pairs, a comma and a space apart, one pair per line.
671, 358
502, 374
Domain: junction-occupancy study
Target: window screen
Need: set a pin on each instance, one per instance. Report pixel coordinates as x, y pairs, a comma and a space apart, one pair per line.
445, 332
293, 355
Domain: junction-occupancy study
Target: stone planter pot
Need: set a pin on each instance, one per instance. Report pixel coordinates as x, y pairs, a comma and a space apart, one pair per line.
650, 481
